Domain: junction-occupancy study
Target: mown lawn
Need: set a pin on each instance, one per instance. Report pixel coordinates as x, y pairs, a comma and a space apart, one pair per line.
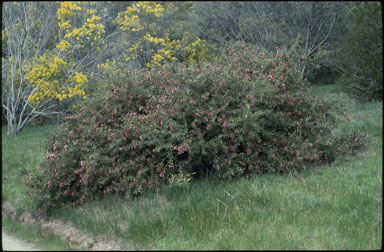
338, 206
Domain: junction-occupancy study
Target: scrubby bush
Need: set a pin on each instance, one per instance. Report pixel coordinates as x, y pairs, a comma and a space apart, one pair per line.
242, 113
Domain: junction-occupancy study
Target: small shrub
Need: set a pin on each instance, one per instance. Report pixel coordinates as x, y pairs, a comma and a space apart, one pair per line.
243, 113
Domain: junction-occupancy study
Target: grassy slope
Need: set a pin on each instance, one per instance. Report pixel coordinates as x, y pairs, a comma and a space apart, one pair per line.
334, 207
19, 156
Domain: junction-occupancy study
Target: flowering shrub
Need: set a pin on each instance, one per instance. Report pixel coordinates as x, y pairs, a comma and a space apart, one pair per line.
153, 45
244, 112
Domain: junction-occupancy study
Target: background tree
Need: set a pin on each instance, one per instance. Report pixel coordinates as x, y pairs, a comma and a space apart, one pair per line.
307, 28
359, 53
26, 32
153, 33
51, 50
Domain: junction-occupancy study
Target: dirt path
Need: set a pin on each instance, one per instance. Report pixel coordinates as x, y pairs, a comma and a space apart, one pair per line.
75, 238
11, 243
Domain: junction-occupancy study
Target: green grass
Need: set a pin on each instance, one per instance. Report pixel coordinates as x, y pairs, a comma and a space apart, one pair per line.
338, 206
20, 155
35, 236
368, 116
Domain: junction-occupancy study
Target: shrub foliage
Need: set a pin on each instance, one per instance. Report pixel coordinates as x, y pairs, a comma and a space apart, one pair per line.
242, 113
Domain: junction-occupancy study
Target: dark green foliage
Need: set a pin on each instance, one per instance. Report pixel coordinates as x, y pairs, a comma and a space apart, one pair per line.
243, 113
358, 54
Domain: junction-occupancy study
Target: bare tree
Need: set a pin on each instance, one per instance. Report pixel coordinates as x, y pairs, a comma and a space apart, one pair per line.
313, 24
308, 27
27, 27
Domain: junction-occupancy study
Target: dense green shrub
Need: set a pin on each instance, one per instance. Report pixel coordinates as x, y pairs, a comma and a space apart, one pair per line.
245, 112
359, 53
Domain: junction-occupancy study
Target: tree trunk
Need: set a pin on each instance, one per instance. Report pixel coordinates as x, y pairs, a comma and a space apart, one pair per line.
12, 129
12, 124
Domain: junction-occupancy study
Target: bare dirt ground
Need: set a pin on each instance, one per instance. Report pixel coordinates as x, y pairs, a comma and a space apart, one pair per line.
11, 243
75, 238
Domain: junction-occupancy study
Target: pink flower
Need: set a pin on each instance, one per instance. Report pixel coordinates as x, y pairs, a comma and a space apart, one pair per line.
282, 165
66, 147
290, 103
66, 192
52, 156
161, 174
171, 165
